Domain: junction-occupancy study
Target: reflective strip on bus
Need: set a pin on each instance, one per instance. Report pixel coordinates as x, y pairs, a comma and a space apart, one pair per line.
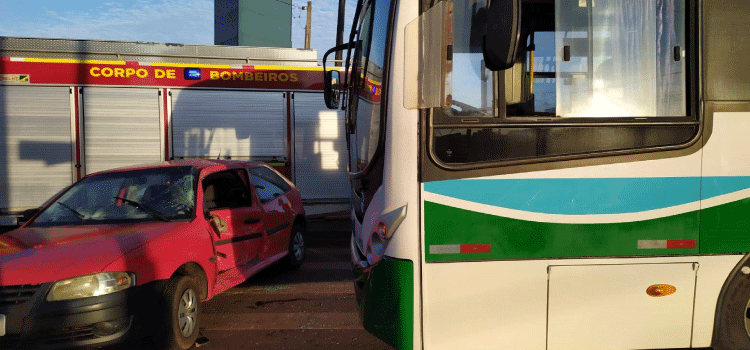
460, 248
666, 244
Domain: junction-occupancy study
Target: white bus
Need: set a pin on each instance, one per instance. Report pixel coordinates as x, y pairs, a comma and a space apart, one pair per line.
550, 174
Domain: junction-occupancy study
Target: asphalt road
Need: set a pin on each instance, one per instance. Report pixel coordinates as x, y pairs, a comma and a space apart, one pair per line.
312, 307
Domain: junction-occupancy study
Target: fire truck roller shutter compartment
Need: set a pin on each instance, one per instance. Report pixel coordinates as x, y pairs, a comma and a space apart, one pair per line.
319, 149
35, 144
236, 124
120, 127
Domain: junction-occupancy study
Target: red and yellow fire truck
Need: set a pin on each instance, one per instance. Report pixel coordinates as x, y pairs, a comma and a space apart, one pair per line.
70, 107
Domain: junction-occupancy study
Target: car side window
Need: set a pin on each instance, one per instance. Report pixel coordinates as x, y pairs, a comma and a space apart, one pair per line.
270, 175
226, 189
266, 190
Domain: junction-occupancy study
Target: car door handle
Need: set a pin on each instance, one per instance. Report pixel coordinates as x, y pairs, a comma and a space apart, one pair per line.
251, 221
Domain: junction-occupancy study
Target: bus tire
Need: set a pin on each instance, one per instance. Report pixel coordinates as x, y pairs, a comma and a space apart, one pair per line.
732, 320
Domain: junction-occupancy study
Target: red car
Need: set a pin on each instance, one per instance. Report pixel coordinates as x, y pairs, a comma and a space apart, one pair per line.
134, 251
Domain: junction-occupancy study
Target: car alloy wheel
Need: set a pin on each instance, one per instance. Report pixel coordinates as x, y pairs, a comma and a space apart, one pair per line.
183, 313
188, 312
298, 246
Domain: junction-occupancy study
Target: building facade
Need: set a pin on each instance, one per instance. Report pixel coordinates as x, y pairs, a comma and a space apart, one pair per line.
263, 23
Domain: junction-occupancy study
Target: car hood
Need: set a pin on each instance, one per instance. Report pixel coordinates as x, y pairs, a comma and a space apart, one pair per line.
34, 255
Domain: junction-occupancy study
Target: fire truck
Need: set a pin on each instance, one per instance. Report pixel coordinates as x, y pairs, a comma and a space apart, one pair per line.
73, 107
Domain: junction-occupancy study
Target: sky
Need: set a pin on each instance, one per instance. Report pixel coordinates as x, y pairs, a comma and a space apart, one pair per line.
164, 21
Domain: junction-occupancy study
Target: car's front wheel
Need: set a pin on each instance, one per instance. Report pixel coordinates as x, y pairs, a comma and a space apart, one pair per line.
181, 324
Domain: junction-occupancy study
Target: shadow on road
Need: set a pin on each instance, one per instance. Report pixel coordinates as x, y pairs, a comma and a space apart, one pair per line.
327, 258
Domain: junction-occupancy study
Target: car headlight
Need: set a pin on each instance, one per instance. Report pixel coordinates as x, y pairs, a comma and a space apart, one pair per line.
91, 285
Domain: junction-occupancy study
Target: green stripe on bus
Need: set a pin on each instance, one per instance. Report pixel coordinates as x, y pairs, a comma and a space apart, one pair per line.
520, 239
725, 229
388, 305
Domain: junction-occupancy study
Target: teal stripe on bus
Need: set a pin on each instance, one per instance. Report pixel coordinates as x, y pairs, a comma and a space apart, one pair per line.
588, 196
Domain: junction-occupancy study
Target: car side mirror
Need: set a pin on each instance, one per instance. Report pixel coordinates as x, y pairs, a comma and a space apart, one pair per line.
332, 89
27, 214
218, 224
502, 34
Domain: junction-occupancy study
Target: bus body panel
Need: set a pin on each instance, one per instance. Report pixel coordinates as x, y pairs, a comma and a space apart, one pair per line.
487, 264
400, 188
503, 304
725, 226
654, 306
599, 211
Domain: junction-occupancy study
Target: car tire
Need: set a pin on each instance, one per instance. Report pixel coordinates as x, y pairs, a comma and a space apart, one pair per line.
181, 317
297, 247
732, 320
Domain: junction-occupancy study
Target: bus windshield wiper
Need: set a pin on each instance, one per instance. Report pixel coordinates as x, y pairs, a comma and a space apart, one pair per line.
151, 211
75, 212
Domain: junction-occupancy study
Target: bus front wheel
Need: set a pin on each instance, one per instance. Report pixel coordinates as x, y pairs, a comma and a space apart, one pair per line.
732, 321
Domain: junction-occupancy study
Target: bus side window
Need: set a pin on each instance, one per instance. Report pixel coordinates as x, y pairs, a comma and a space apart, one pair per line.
368, 84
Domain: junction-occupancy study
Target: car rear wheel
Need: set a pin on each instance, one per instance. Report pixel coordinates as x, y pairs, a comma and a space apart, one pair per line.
182, 315
297, 247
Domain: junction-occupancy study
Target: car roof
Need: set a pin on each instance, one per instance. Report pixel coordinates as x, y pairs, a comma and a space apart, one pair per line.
198, 163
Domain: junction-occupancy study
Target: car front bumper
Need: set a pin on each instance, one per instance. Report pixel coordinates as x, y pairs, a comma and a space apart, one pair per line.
31, 322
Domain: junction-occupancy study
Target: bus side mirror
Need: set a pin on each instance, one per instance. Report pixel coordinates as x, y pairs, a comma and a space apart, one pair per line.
332, 79
332, 89
502, 33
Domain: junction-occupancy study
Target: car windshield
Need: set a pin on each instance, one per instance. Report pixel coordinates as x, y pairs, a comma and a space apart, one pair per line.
159, 194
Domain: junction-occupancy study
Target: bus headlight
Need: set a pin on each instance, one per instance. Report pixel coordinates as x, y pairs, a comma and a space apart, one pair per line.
376, 244
90, 285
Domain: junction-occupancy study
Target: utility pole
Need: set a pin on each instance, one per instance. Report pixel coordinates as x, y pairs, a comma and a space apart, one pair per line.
340, 30
307, 26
